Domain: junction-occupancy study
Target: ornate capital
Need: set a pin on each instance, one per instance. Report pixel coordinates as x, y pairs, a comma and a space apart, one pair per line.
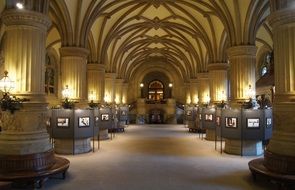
203, 76
110, 75
74, 51
26, 18
95, 67
281, 17
247, 50
217, 66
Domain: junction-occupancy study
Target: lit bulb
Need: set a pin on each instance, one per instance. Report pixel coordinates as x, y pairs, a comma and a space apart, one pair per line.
19, 5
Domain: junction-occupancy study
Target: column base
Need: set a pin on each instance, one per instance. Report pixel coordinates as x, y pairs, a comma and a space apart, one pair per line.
29, 162
210, 134
69, 146
250, 148
279, 163
104, 134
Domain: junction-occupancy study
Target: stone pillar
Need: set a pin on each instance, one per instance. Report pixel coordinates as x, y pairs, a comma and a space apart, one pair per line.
171, 111
242, 72
194, 91
218, 81
242, 75
280, 154
118, 91
95, 80
203, 87
73, 71
24, 134
186, 89
110, 79
125, 93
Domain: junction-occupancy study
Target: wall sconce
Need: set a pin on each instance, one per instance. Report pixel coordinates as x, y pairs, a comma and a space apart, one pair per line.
141, 89
170, 85
6, 84
10, 103
207, 99
250, 92
91, 96
19, 5
66, 93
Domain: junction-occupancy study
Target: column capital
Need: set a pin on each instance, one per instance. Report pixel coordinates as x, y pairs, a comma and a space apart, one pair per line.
281, 17
74, 51
26, 18
245, 50
203, 76
194, 80
96, 67
119, 81
111, 75
217, 66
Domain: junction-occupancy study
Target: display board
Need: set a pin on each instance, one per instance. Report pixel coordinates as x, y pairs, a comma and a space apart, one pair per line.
105, 118
208, 115
69, 123
246, 124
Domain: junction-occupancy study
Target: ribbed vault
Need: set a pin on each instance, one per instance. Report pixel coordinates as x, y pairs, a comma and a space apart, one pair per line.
182, 36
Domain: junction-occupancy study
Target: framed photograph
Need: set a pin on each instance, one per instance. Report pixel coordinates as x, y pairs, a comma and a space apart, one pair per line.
84, 121
188, 112
208, 117
63, 122
105, 117
218, 120
268, 122
231, 122
252, 122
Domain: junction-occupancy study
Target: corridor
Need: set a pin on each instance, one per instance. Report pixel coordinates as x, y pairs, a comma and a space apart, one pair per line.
157, 157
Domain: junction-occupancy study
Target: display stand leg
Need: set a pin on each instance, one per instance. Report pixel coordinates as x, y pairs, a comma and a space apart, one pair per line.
98, 142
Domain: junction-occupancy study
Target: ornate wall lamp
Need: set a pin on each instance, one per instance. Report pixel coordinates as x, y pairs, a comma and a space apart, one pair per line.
141, 89
9, 102
66, 93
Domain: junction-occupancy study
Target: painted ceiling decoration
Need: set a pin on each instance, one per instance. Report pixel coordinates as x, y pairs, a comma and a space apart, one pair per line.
182, 35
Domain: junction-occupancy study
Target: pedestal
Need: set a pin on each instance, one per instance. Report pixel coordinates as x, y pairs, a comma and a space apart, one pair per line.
104, 134
72, 146
245, 148
210, 134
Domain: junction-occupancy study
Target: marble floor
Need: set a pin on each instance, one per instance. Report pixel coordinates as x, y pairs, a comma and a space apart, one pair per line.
157, 157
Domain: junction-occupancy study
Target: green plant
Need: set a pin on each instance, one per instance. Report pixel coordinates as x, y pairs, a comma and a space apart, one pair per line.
11, 103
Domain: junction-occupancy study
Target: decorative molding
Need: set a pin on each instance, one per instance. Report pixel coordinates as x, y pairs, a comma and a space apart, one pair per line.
24, 17
247, 50
74, 51
282, 17
217, 66
279, 163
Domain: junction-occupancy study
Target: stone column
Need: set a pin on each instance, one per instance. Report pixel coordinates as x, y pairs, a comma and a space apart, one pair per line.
110, 79
194, 91
218, 81
24, 142
280, 154
73, 71
242, 72
125, 93
203, 87
186, 89
95, 79
118, 90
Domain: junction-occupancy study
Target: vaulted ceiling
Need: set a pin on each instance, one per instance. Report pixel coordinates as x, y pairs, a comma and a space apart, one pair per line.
182, 35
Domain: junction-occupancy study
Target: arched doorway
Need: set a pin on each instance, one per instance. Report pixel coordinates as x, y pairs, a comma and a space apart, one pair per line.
156, 116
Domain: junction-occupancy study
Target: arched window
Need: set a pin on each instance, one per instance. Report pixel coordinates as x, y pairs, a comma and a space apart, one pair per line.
156, 90
49, 75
